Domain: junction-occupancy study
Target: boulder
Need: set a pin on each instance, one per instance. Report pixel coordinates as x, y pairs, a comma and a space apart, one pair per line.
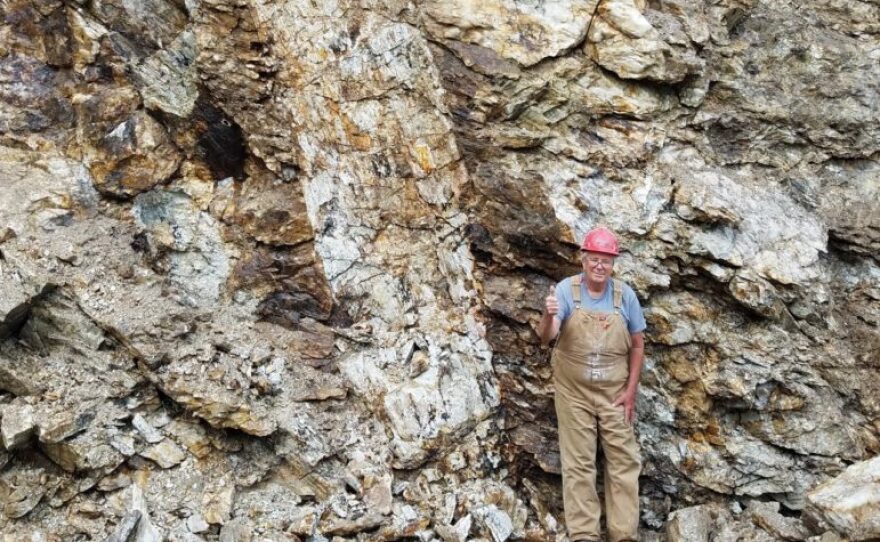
850, 502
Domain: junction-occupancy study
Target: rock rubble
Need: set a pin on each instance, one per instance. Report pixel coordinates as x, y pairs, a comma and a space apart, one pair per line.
270, 271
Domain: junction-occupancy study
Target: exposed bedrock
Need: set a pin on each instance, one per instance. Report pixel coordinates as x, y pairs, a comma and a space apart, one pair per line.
271, 270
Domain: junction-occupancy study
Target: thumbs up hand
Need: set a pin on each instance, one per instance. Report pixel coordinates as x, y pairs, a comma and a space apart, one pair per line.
551, 304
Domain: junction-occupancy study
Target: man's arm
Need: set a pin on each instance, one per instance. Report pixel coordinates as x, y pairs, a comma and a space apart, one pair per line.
548, 328
636, 358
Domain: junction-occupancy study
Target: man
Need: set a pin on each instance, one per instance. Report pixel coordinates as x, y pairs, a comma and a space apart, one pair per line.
596, 365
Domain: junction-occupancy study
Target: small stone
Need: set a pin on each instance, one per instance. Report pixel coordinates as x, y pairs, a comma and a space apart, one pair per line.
196, 523
124, 444
112, 482
455, 461
455, 533
21, 489
145, 532
17, 425
321, 393
167, 79
166, 454
82, 453
303, 522
88, 509
159, 419
236, 531
344, 526
62, 425
766, 515
192, 435
134, 157
217, 503
126, 527
377, 493
497, 522
68, 253
850, 503
689, 525
21, 501
150, 433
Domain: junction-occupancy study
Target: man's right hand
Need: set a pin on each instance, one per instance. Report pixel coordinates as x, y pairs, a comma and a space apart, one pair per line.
551, 304
548, 328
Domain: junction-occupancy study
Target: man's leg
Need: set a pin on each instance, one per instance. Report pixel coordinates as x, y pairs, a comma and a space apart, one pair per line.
577, 447
622, 466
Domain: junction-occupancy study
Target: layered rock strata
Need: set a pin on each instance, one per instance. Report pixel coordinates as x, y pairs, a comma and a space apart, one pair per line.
272, 270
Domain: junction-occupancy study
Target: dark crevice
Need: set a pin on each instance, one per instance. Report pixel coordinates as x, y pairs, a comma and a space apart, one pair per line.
287, 308
220, 141
17, 317
847, 250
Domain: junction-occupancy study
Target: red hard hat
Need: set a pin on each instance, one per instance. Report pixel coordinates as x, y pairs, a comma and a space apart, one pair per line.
601, 240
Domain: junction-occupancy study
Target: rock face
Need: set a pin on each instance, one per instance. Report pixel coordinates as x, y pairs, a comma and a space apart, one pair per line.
271, 270
759, 521
850, 503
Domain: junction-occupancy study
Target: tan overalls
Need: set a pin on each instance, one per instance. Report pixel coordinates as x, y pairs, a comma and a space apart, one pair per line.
590, 369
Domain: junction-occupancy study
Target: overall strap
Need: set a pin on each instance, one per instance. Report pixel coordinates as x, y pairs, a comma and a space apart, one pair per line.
576, 290
618, 294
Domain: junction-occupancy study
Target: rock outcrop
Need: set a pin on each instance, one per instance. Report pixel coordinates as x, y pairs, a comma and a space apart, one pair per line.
271, 270
849, 503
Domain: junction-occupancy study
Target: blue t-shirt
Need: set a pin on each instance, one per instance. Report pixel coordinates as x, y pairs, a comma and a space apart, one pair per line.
631, 308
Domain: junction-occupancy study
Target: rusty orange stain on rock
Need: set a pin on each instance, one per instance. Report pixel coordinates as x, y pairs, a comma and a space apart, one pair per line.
779, 426
688, 464
713, 433
362, 142
693, 403
141, 477
424, 158
680, 366
781, 399
358, 139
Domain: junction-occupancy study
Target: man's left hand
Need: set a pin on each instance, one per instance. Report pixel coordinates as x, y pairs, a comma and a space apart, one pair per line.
627, 399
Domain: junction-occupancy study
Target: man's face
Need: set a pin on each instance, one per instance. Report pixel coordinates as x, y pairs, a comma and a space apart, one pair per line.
597, 266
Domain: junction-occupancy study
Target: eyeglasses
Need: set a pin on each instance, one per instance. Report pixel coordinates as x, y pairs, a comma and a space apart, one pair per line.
596, 262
